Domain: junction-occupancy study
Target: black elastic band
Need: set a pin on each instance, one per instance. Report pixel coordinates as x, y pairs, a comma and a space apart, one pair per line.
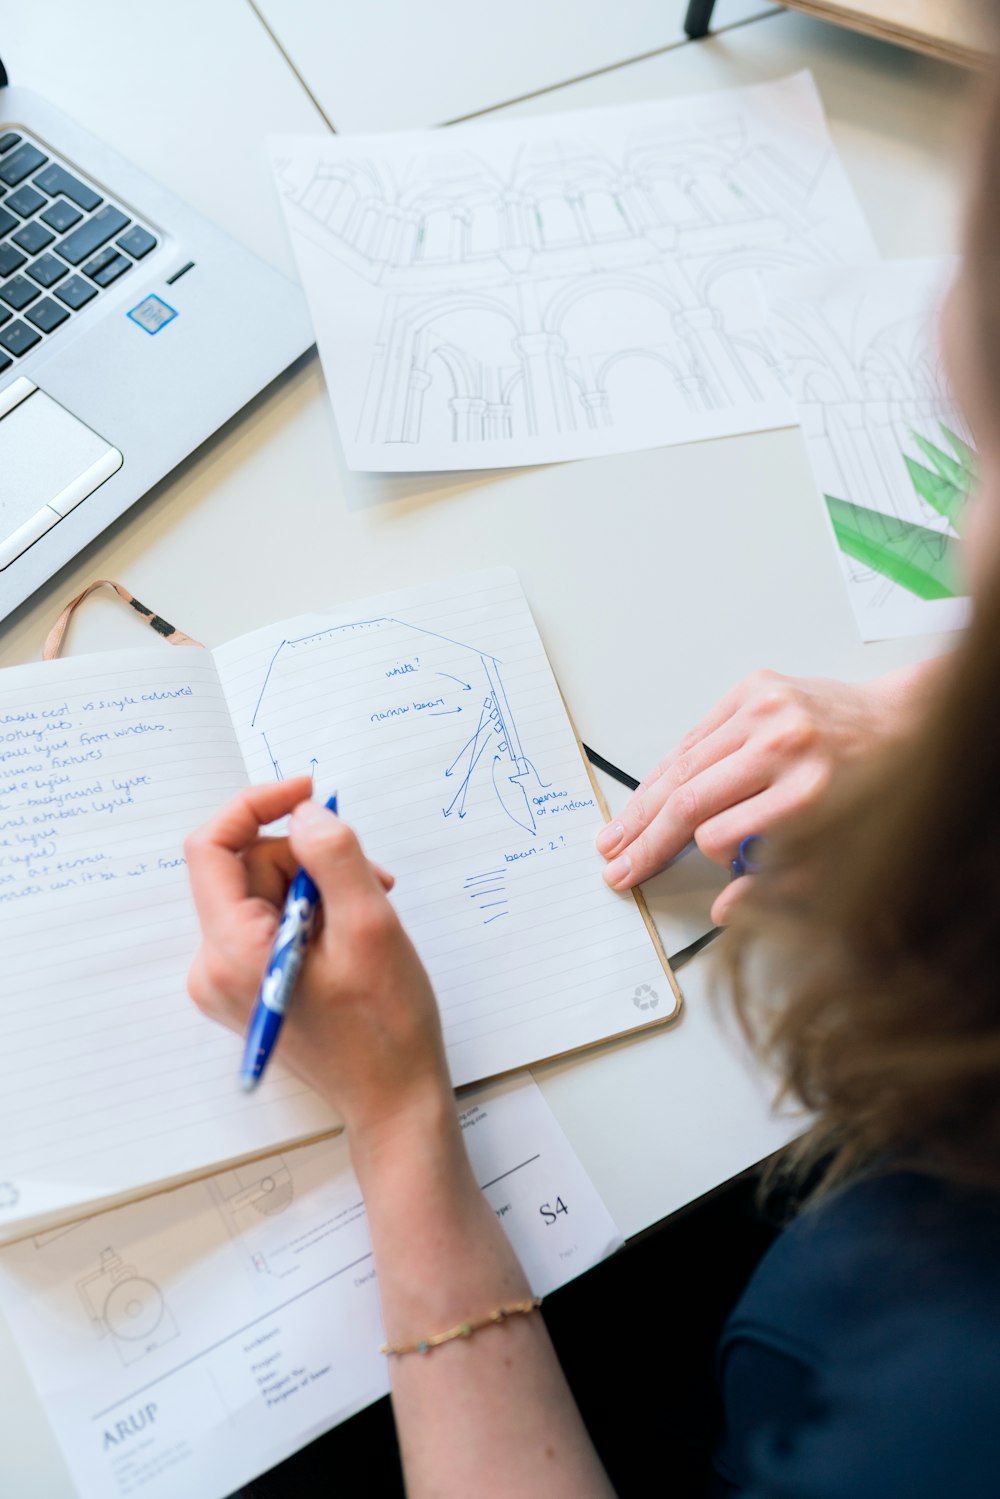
609, 769
685, 954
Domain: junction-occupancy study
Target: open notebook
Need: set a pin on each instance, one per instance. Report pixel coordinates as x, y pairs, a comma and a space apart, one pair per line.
434, 714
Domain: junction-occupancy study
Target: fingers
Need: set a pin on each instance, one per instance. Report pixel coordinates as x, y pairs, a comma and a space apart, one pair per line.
724, 709
217, 872
727, 900
385, 879
270, 867
720, 836
329, 850
678, 769
735, 779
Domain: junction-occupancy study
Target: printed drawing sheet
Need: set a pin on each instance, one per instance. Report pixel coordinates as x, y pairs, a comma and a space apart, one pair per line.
186, 1343
526, 291
434, 714
888, 448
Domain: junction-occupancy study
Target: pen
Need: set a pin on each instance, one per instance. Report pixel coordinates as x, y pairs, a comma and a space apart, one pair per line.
280, 975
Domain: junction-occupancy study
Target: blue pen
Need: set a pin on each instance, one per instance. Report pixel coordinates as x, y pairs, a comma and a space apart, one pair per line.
745, 863
281, 974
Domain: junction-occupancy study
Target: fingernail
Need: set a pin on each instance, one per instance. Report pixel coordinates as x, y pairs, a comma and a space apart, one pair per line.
609, 838
618, 870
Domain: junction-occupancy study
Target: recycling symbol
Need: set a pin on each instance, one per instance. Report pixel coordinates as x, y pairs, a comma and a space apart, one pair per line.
645, 997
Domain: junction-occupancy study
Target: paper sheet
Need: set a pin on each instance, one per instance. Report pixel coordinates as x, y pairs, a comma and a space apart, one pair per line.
886, 443
524, 291
109, 1073
393, 65
186, 1343
434, 714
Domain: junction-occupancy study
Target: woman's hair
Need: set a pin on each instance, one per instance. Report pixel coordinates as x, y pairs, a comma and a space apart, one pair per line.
866, 962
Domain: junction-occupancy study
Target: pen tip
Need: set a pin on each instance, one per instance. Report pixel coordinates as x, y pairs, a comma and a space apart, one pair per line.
247, 1082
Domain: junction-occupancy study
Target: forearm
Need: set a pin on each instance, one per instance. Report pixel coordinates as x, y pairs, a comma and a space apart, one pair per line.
490, 1414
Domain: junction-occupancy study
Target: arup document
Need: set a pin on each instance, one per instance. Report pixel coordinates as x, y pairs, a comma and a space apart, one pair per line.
187, 1342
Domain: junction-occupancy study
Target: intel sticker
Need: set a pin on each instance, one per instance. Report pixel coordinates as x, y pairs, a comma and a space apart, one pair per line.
152, 313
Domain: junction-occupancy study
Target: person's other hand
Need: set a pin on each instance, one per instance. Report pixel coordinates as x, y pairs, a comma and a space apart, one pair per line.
363, 1026
764, 753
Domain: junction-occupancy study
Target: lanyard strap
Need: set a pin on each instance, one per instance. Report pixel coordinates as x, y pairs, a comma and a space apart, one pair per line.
54, 639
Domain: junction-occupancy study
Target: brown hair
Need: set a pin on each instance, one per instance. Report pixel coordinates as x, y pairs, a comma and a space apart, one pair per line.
874, 933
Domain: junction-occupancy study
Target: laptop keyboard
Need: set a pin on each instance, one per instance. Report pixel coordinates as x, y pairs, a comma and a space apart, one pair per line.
61, 243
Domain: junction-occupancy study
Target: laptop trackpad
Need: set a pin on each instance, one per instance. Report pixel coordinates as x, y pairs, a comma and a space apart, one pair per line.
49, 462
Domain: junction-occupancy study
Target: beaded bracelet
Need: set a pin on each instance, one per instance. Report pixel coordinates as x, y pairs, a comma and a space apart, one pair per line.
464, 1329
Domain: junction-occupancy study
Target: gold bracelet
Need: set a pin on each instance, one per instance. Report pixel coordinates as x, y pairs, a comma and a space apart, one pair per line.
464, 1329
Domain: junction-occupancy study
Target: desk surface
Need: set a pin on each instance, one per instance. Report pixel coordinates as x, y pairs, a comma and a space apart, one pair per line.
633, 564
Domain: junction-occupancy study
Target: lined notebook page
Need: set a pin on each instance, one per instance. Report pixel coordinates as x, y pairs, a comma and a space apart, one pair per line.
110, 1079
435, 716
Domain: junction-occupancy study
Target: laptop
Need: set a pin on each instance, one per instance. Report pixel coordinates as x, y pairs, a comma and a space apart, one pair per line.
130, 329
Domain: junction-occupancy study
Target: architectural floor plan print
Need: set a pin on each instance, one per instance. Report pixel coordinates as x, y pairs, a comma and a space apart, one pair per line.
562, 286
889, 450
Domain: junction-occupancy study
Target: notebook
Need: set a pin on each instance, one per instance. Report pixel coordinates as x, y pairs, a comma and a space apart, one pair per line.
434, 714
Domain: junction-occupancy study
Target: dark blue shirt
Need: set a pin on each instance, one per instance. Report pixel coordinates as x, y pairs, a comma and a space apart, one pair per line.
863, 1359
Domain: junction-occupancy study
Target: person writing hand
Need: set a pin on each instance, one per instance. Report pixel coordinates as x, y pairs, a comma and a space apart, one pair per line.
363, 1030
766, 752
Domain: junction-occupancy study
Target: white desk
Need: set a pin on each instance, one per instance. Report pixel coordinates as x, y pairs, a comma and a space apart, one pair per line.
652, 575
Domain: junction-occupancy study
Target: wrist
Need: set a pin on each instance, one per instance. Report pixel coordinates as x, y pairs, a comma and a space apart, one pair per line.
900, 697
420, 1140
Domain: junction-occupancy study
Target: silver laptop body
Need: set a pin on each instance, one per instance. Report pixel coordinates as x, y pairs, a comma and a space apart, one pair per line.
130, 329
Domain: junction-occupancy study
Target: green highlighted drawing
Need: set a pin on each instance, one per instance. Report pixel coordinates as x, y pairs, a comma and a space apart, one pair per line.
918, 558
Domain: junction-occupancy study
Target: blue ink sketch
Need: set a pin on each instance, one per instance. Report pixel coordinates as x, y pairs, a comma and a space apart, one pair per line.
438, 694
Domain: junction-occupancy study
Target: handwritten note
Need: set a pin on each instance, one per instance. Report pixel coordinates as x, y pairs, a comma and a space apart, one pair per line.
111, 1078
434, 714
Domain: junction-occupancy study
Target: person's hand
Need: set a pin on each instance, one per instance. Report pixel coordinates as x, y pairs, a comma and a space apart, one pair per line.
363, 1026
765, 752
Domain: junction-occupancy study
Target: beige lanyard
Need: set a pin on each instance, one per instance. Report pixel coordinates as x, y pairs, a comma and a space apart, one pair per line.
54, 639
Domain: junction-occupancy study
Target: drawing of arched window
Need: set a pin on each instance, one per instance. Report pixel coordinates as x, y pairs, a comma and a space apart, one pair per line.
814, 381
557, 223
719, 198
484, 235
369, 230
514, 399
668, 201
605, 215
434, 238
412, 387
637, 381
757, 364
320, 195
638, 309
452, 408
404, 249
384, 243
725, 284
342, 208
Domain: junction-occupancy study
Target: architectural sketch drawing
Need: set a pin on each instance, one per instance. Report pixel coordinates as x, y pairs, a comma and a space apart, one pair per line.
400, 673
887, 445
126, 1307
249, 1199
541, 289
